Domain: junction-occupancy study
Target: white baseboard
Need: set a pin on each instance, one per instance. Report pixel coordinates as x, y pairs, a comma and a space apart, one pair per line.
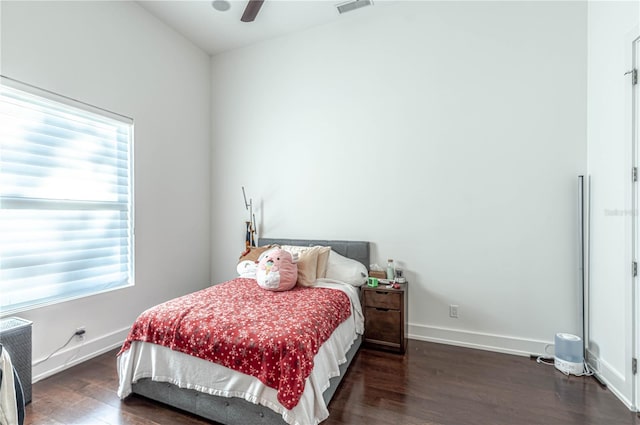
76, 353
478, 340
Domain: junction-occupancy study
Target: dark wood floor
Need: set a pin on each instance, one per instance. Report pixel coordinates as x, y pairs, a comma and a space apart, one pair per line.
432, 384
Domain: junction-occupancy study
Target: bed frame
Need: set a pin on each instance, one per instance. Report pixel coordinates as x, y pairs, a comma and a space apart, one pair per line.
237, 411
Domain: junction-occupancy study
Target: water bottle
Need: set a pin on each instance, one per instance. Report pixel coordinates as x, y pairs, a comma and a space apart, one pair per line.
391, 272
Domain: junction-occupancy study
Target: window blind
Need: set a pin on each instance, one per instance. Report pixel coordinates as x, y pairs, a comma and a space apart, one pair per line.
66, 213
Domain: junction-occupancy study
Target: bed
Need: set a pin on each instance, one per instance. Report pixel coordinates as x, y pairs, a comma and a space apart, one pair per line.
229, 396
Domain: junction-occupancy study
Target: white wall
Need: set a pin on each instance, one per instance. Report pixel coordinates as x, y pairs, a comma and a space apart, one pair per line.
612, 25
449, 134
116, 56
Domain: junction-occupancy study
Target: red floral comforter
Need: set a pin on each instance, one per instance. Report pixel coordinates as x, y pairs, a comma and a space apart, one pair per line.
273, 336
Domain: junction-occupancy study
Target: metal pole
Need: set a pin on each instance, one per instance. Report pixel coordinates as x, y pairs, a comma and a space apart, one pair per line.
581, 272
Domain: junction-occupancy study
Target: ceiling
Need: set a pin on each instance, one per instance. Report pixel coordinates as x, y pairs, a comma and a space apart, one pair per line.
216, 32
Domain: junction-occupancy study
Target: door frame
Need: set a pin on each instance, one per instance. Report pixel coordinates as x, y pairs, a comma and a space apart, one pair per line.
633, 126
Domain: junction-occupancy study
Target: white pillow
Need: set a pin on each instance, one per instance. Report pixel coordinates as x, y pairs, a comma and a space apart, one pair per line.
346, 270
247, 269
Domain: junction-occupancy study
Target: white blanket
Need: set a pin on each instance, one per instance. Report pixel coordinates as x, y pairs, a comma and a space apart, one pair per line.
8, 403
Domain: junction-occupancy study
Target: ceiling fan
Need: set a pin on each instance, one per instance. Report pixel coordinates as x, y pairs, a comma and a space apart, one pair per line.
253, 7
251, 11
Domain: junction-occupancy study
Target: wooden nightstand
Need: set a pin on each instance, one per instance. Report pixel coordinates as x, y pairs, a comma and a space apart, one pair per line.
385, 317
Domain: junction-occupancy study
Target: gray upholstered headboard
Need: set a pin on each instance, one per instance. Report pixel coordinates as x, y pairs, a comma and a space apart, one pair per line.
357, 250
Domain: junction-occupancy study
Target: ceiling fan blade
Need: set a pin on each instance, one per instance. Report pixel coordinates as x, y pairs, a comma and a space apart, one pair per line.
251, 11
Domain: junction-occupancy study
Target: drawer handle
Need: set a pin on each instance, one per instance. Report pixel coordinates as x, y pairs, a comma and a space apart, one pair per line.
382, 292
382, 309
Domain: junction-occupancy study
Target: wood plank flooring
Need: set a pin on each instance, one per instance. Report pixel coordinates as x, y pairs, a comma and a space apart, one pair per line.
431, 384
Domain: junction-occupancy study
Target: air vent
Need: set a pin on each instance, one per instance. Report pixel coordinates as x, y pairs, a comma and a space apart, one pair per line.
353, 5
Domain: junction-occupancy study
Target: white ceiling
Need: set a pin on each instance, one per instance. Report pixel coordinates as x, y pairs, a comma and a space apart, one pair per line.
215, 31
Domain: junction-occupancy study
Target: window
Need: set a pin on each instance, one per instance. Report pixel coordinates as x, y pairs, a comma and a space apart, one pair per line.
66, 201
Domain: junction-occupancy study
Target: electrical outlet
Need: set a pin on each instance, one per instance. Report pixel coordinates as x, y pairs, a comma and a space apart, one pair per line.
453, 311
79, 334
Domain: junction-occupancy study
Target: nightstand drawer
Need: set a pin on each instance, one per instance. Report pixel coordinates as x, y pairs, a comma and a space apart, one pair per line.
383, 299
383, 326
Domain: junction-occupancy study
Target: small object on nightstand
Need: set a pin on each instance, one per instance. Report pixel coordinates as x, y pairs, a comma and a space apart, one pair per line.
380, 274
391, 270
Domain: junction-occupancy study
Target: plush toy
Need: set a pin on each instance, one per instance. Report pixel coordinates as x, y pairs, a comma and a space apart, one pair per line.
247, 269
277, 271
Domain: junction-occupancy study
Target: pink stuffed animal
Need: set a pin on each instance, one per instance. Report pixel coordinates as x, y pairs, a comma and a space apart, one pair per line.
277, 271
